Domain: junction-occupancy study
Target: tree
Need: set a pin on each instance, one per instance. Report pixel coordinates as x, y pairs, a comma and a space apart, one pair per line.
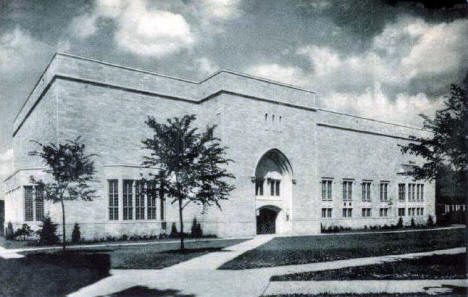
71, 170
190, 165
447, 146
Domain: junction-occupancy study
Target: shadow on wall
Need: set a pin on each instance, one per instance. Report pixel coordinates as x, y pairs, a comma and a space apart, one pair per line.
147, 292
54, 274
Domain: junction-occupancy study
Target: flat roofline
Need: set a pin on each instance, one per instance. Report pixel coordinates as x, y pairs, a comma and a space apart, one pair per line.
157, 74
371, 119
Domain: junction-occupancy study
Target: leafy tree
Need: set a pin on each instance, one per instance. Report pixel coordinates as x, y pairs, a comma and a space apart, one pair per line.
72, 172
191, 165
447, 146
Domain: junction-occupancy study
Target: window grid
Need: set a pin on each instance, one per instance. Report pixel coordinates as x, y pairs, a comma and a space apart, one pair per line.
383, 212
326, 190
401, 192
127, 200
347, 212
401, 212
39, 203
326, 212
28, 203
139, 201
113, 199
366, 212
383, 191
347, 190
366, 191
151, 202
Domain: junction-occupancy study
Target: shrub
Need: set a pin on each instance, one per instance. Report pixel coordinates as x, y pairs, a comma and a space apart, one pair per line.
430, 221
23, 232
196, 229
400, 223
48, 232
412, 223
174, 233
9, 232
76, 234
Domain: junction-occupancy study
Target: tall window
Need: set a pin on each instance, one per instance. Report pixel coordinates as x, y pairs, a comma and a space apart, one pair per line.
259, 187
347, 190
326, 190
418, 187
384, 191
401, 192
275, 187
411, 192
347, 212
139, 201
28, 203
127, 199
151, 202
39, 203
113, 199
422, 192
366, 191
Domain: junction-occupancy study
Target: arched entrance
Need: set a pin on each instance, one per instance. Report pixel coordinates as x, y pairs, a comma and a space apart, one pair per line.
266, 220
273, 193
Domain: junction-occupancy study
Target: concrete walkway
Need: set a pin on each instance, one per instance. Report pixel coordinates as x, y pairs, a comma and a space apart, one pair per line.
200, 277
433, 287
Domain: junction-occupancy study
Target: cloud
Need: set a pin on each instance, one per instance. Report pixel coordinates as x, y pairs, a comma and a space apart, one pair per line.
374, 103
17, 46
6, 163
219, 10
140, 30
153, 33
282, 73
406, 50
205, 65
377, 82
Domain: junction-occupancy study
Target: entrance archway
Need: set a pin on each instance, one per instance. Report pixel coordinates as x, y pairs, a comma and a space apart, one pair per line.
266, 220
273, 193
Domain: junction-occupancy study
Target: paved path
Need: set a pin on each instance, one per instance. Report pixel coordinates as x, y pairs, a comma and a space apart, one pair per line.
433, 287
199, 276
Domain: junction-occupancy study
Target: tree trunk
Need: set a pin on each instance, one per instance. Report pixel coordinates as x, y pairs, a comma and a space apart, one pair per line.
181, 219
63, 225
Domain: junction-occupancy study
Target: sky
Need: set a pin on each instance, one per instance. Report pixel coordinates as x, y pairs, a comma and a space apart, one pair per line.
388, 60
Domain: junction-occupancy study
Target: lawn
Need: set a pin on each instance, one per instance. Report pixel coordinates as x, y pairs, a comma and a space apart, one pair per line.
51, 274
429, 267
163, 255
153, 256
311, 249
457, 292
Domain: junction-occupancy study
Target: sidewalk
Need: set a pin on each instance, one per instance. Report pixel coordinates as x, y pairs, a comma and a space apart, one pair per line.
199, 277
432, 287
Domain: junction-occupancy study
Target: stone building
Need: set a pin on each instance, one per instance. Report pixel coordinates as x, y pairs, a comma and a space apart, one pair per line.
298, 167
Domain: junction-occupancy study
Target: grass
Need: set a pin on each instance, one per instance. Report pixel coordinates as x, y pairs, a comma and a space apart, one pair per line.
51, 274
155, 256
311, 249
429, 267
457, 292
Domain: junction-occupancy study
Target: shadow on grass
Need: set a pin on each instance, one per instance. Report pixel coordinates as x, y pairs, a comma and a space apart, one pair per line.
135, 259
140, 291
428, 267
51, 274
456, 292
